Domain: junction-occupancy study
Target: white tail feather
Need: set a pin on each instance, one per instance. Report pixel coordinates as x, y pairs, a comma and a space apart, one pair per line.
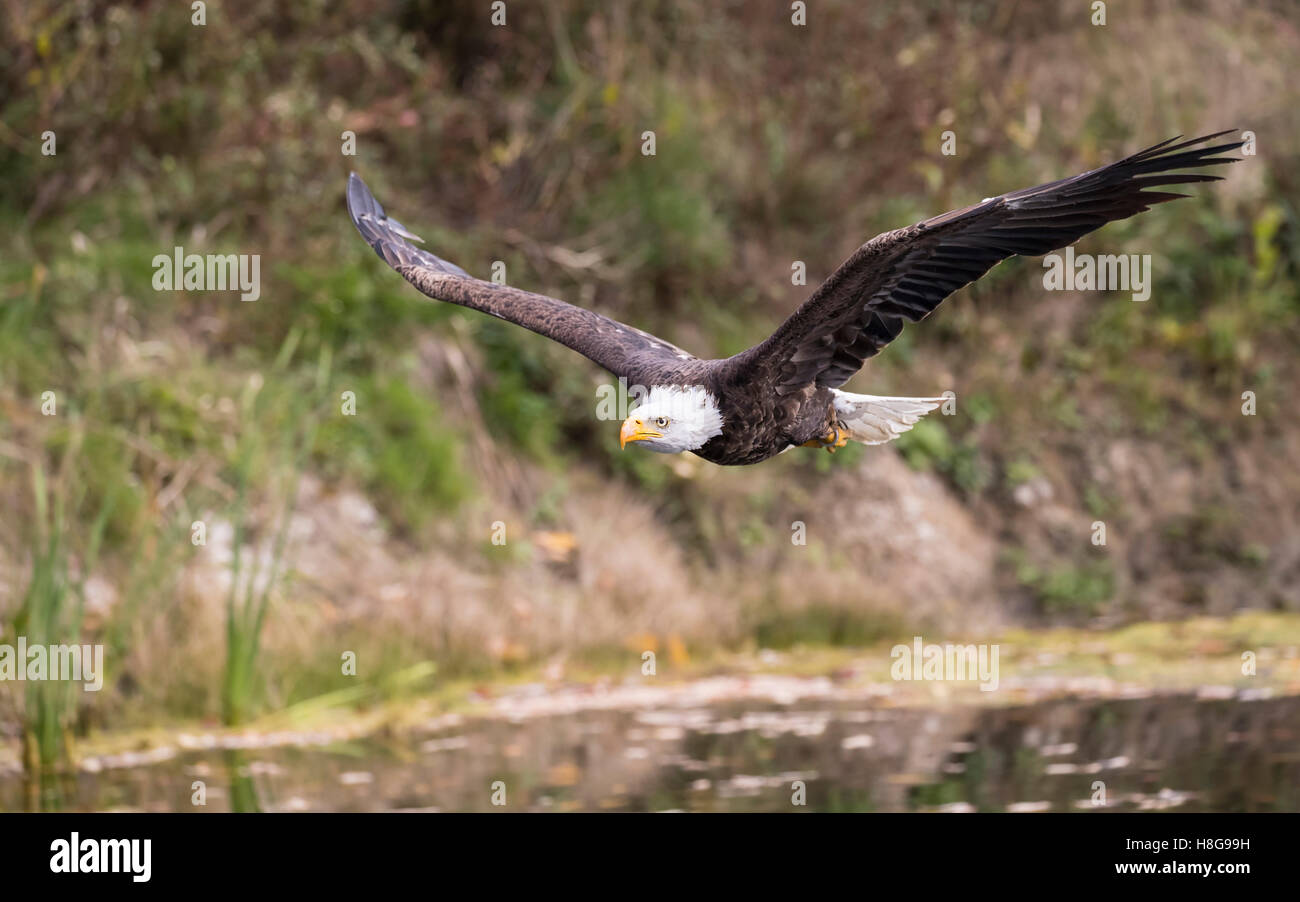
874, 420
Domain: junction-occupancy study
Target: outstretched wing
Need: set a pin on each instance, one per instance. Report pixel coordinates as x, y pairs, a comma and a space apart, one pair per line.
622, 350
901, 276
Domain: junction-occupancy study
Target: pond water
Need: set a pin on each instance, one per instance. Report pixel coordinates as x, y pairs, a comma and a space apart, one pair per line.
1175, 752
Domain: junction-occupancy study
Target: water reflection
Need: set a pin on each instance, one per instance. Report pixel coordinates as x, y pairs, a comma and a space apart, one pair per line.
1161, 752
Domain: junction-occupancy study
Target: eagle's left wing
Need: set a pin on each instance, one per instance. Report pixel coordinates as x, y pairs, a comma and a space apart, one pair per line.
621, 349
900, 277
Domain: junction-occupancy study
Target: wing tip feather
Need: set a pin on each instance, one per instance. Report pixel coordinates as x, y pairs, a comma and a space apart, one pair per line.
386, 236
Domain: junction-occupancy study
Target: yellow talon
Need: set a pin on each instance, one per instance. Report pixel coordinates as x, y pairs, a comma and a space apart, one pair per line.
832, 441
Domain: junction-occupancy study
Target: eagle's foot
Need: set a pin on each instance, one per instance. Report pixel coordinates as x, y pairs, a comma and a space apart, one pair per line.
835, 439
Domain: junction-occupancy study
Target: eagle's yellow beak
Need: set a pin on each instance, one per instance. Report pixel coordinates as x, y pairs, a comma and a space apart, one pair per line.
634, 431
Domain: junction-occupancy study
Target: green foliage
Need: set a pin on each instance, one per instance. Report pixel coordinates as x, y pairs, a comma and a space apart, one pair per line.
846, 458
1211, 536
275, 465
670, 224
1066, 588
1022, 470
53, 607
928, 446
397, 447
516, 397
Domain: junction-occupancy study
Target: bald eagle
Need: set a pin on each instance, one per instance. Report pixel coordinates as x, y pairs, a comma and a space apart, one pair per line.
785, 391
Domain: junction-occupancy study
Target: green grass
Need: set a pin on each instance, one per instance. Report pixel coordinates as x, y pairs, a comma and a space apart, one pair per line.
276, 465
51, 613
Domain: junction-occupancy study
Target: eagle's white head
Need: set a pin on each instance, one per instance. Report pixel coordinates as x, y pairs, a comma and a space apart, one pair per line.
673, 418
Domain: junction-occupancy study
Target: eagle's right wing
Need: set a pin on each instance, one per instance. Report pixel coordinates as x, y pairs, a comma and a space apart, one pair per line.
621, 349
901, 276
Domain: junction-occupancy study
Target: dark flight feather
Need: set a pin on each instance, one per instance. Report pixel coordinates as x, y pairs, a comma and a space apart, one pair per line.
902, 276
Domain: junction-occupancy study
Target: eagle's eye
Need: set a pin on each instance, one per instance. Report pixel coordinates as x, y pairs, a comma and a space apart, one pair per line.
661, 422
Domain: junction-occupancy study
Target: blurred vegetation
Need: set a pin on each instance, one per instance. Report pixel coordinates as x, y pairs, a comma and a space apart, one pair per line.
523, 144
53, 610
